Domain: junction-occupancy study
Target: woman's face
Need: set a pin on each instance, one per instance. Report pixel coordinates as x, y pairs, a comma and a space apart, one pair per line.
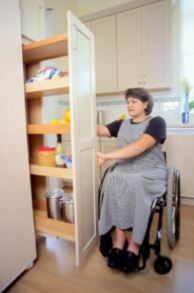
136, 108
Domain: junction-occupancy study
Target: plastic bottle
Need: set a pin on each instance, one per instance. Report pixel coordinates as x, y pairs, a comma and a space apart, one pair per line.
59, 152
185, 111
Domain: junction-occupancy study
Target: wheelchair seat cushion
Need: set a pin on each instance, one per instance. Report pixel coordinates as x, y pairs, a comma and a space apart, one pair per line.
131, 187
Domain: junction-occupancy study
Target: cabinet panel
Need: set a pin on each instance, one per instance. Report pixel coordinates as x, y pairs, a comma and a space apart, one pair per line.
143, 47
129, 49
155, 45
32, 18
83, 132
104, 30
17, 237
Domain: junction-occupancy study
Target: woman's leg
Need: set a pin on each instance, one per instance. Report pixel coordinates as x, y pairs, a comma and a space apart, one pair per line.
130, 258
115, 257
120, 238
133, 246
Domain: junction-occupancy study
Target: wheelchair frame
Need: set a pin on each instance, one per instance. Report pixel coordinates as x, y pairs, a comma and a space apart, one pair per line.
171, 200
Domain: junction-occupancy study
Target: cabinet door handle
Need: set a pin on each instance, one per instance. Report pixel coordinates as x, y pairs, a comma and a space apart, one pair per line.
139, 79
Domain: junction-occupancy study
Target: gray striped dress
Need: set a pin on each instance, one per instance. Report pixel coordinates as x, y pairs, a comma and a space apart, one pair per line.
131, 187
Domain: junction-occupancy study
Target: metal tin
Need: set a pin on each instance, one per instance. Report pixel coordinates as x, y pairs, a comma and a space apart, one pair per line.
68, 209
54, 207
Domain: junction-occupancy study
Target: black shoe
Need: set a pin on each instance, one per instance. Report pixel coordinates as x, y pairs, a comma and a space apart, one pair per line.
105, 244
115, 258
130, 262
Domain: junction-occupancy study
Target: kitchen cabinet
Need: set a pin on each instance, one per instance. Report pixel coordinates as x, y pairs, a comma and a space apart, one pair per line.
33, 18
129, 49
79, 84
143, 47
104, 30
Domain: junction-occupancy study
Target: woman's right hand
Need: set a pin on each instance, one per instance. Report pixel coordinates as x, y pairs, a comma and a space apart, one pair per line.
101, 159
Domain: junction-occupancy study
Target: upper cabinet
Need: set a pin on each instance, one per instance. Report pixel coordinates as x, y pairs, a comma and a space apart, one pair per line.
33, 18
133, 48
104, 30
143, 47
155, 45
129, 49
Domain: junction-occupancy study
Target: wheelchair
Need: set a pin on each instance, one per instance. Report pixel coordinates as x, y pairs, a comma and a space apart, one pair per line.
171, 200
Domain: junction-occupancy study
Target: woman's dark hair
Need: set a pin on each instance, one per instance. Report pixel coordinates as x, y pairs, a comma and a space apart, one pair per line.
142, 95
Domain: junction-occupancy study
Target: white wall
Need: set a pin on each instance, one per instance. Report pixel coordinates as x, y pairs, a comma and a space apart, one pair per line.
175, 44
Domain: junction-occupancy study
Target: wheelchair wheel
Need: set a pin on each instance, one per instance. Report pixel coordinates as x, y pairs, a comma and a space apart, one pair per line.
162, 265
101, 187
173, 207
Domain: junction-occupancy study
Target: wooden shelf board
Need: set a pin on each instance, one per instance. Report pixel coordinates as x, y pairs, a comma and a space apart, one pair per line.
53, 227
48, 129
49, 87
63, 173
53, 47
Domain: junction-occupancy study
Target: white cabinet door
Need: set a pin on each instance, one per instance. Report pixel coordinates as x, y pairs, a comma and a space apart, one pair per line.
129, 49
155, 45
33, 18
104, 30
143, 47
83, 132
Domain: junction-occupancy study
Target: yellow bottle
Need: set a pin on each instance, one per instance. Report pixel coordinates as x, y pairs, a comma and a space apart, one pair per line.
59, 152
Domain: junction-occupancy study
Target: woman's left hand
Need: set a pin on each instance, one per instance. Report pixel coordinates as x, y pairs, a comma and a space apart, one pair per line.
101, 158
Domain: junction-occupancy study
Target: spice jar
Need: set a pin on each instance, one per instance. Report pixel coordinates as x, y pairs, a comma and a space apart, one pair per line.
46, 156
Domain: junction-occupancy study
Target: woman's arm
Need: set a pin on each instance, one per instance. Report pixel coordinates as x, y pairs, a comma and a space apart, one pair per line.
134, 149
103, 131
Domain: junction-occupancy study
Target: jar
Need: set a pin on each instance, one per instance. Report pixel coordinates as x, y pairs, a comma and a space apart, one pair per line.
46, 156
67, 205
54, 207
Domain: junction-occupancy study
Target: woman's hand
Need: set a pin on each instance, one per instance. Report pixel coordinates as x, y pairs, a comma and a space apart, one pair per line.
101, 158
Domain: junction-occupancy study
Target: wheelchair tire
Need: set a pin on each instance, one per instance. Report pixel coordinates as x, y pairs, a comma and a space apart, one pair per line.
162, 265
101, 187
173, 207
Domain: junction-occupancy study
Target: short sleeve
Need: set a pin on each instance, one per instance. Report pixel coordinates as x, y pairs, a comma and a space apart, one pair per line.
157, 129
114, 127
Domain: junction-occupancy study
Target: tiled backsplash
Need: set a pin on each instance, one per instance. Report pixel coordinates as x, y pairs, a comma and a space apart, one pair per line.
169, 107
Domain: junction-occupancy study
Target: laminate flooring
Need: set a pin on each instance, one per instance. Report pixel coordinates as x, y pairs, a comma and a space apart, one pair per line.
55, 272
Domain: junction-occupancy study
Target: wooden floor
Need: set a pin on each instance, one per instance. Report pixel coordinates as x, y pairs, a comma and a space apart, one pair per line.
55, 271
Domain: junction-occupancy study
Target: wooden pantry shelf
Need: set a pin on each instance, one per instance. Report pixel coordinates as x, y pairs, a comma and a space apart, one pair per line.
45, 225
53, 47
63, 173
49, 87
48, 129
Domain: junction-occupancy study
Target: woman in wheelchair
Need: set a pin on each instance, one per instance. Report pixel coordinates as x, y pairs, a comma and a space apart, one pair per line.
138, 178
